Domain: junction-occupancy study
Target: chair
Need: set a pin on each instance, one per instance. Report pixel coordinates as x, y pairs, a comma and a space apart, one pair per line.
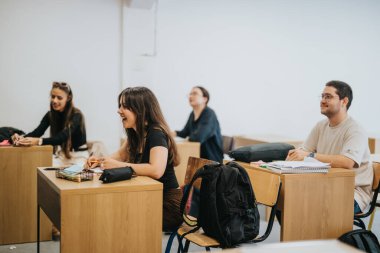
375, 188
228, 144
373, 216
266, 187
193, 165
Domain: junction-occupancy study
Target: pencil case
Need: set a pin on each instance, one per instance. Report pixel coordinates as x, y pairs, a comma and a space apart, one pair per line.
117, 174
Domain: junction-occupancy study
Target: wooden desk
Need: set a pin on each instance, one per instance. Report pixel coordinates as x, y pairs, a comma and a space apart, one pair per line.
245, 140
18, 194
315, 206
185, 150
93, 217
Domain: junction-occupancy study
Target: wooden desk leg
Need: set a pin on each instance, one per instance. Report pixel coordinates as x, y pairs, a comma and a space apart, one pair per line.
38, 228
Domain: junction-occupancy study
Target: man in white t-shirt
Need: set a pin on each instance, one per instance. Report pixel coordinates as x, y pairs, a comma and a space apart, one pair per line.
340, 141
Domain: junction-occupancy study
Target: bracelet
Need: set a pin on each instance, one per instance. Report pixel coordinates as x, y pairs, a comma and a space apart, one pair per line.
40, 141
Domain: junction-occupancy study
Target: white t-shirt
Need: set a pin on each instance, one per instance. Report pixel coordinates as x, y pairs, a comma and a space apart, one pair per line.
348, 139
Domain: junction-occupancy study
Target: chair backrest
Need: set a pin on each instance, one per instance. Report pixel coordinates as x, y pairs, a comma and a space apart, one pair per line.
265, 185
375, 189
228, 143
376, 175
193, 164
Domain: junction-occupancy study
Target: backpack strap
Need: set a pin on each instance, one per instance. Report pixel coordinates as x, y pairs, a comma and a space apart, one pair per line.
359, 241
370, 241
198, 174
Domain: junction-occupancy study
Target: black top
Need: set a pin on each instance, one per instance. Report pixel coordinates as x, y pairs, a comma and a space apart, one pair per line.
154, 138
205, 130
78, 135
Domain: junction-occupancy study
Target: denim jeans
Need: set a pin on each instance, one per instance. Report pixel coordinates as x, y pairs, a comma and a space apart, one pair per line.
356, 208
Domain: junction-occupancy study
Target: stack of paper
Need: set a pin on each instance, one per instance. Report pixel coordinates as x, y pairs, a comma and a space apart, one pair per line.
295, 167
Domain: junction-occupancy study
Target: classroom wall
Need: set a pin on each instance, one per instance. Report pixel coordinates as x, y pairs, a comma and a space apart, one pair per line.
264, 62
74, 41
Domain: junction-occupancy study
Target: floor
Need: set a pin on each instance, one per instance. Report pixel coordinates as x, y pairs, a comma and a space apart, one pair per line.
53, 247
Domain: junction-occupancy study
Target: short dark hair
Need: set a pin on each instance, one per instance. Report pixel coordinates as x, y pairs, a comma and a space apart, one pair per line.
204, 93
343, 90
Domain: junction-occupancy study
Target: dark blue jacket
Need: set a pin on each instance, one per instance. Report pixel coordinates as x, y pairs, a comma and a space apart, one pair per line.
205, 130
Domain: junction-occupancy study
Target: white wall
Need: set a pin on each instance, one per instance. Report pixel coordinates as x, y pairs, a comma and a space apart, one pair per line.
74, 41
264, 62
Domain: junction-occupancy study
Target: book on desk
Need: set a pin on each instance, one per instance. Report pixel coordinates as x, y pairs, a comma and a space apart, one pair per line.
299, 167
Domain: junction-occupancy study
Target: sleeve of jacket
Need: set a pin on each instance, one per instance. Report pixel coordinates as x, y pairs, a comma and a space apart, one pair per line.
186, 130
206, 127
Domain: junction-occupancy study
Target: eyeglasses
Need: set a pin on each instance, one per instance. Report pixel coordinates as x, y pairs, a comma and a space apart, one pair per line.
327, 97
193, 94
61, 85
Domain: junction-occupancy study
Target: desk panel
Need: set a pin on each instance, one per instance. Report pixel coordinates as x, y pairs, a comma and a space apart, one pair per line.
315, 206
18, 194
93, 217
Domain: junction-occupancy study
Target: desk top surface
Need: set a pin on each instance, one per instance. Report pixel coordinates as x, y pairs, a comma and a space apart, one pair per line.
139, 183
333, 172
182, 141
26, 149
270, 138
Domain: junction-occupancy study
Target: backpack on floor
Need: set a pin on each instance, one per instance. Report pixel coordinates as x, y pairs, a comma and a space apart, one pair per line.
228, 208
361, 239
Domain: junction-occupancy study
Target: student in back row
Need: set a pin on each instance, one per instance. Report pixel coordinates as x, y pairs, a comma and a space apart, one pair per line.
340, 141
203, 126
67, 128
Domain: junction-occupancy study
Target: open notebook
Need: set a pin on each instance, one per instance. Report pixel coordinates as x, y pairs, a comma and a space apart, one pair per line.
298, 167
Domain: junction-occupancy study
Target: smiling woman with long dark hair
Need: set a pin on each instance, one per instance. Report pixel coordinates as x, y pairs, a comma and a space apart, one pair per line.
149, 149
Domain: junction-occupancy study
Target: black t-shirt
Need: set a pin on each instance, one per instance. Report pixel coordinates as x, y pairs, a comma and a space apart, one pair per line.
78, 135
154, 138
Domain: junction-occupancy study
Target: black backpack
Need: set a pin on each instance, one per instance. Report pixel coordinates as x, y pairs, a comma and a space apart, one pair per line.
361, 239
228, 209
7, 132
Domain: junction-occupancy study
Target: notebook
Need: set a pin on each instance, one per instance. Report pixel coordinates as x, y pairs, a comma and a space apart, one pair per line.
299, 167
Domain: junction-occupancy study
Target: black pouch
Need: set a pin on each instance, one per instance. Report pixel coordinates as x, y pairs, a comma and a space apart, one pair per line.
117, 174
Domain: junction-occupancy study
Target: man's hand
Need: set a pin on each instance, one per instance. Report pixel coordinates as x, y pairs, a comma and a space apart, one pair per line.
297, 155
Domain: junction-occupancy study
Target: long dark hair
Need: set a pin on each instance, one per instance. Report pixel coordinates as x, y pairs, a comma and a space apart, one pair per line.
56, 122
142, 102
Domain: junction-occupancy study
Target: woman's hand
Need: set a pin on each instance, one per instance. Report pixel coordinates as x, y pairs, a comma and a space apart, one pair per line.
15, 138
103, 163
27, 141
92, 162
110, 163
